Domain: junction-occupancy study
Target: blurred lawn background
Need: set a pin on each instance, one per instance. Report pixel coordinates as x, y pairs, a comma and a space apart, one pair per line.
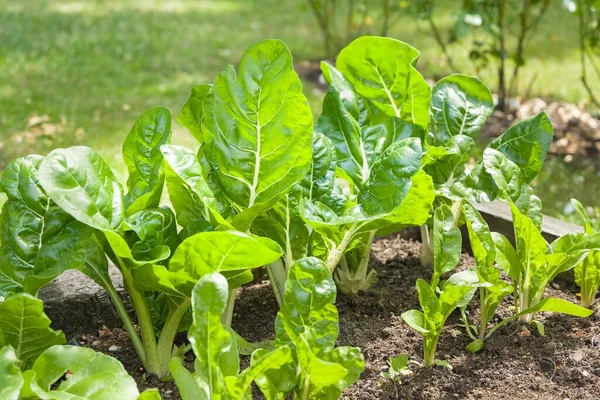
88, 68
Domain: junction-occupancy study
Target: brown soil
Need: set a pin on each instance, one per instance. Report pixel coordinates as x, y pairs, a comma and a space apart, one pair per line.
516, 363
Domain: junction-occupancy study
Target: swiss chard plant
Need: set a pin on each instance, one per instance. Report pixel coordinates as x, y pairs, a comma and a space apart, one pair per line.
437, 300
374, 115
587, 272
76, 215
255, 128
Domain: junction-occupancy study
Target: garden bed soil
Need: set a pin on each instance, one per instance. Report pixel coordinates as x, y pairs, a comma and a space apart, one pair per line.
517, 363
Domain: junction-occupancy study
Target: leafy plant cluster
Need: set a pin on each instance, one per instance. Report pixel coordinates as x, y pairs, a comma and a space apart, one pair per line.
269, 187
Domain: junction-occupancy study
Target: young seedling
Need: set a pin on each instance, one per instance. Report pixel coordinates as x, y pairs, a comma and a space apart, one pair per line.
398, 368
435, 309
587, 273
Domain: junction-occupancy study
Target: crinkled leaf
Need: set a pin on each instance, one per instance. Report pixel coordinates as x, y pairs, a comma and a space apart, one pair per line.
190, 116
460, 105
88, 375
156, 230
144, 161
309, 304
82, 184
210, 340
26, 328
526, 143
353, 362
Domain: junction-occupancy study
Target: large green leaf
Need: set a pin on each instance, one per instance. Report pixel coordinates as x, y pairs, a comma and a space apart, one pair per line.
512, 185
144, 161
353, 362
32, 230
82, 184
446, 165
382, 70
69, 372
191, 114
258, 127
460, 105
526, 143
358, 130
205, 253
11, 379
26, 328
210, 340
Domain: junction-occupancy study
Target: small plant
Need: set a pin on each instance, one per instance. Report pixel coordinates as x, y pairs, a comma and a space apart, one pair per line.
587, 272
398, 367
454, 293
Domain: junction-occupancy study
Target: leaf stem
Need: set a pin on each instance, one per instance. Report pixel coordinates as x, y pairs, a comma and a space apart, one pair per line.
227, 316
278, 276
127, 323
336, 253
167, 336
144, 320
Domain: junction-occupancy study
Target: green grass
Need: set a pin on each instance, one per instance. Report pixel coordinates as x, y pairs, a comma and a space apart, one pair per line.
93, 66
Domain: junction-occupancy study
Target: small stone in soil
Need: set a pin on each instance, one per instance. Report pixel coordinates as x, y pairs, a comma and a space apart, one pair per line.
113, 348
96, 343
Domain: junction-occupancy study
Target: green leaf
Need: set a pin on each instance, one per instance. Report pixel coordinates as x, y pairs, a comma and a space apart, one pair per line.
238, 386
190, 116
475, 346
460, 105
526, 143
144, 161
26, 328
205, 253
150, 394
587, 223
562, 306
480, 237
353, 362
275, 384
447, 243
357, 129
11, 379
506, 256
382, 70
258, 127
192, 196
446, 165
210, 340
190, 387
31, 228
87, 375
156, 230
82, 184
308, 304
513, 187
390, 177
416, 320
